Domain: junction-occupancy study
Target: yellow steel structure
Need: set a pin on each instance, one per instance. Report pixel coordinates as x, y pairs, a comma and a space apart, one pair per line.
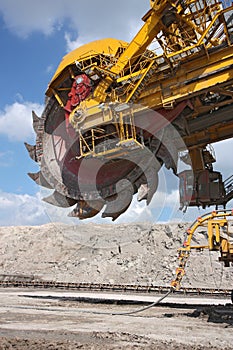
220, 238
83, 53
194, 56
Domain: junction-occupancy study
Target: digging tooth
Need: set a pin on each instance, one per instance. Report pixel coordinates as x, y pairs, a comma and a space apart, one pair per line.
31, 150
147, 189
142, 192
59, 200
120, 204
152, 182
47, 174
112, 211
85, 210
36, 121
40, 179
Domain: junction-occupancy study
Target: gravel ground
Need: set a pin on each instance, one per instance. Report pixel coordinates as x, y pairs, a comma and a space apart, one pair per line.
43, 344
137, 253
36, 323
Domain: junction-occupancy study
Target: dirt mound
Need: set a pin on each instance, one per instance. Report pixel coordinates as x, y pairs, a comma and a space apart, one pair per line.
126, 253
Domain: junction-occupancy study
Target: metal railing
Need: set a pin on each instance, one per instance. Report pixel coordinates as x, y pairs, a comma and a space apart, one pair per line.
228, 184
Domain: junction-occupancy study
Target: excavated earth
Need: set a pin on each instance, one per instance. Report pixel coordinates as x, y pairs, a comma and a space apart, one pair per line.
140, 253
126, 253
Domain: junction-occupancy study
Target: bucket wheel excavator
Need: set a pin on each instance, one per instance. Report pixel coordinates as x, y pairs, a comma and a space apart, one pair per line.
116, 112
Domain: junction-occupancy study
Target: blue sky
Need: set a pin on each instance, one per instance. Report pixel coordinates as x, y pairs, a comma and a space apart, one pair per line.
34, 36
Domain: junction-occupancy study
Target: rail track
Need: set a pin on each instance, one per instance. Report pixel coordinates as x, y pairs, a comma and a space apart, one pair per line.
23, 281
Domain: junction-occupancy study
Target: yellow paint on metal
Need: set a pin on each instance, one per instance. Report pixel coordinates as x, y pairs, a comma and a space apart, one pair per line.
216, 223
184, 69
107, 46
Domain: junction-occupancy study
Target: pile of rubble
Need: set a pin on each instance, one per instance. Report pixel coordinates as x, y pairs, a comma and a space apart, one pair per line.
140, 253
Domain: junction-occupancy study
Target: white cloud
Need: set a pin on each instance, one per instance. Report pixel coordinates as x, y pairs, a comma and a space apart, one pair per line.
93, 19
24, 209
73, 44
224, 157
21, 209
22, 17
123, 27
16, 120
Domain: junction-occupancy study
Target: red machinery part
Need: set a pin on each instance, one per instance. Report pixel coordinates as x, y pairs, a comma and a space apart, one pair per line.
80, 90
